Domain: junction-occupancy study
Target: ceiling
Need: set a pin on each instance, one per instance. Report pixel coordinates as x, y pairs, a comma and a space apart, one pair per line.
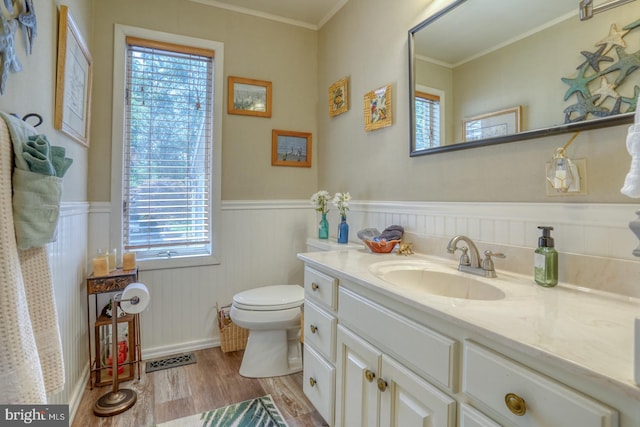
312, 14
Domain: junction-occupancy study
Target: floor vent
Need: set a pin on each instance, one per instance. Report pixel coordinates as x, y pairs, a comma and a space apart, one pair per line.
170, 362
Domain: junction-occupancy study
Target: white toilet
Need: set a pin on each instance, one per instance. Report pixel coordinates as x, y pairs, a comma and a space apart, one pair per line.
272, 316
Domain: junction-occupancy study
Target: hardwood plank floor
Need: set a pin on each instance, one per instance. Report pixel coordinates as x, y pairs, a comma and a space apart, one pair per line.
210, 383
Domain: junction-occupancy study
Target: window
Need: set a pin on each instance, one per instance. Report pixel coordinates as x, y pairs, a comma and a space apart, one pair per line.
170, 169
427, 120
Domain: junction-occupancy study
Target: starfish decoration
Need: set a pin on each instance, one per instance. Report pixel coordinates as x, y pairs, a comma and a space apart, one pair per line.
633, 102
616, 108
613, 39
594, 58
583, 107
8, 59
605, 90
627, 64
9, 5
29, 25
579, 84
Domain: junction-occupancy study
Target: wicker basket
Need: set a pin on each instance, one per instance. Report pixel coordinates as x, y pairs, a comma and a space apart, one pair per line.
381, 247
232, 336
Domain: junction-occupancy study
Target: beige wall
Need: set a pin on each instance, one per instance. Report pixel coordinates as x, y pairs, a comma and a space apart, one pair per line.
367, 41
32, 90
254, 48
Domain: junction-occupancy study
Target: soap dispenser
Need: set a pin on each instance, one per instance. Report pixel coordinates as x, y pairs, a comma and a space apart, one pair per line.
545, 260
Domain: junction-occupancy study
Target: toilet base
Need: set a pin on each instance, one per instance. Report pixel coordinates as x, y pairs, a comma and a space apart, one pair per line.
264, 359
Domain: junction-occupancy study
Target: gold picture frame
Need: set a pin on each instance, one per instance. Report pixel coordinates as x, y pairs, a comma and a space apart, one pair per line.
338, 97
249, 97
377, 108
73, 81
492, 125
290, 148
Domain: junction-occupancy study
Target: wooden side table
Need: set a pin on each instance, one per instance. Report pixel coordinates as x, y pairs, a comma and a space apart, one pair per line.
115, 281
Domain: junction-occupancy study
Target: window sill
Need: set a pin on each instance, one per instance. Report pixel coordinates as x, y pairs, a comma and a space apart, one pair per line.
177, 262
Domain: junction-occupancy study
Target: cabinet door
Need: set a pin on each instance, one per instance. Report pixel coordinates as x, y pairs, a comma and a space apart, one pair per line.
407, 400
357, 370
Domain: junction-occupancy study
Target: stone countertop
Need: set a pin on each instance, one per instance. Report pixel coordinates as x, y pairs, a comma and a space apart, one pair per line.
585, 331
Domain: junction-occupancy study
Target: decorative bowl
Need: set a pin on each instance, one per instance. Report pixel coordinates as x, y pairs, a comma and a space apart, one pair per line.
381, 247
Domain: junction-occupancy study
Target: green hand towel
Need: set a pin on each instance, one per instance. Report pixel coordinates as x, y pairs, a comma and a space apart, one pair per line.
60, 162
37, 144
36, 154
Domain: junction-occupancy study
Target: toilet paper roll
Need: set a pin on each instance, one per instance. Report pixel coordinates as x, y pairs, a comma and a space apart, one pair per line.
130, 292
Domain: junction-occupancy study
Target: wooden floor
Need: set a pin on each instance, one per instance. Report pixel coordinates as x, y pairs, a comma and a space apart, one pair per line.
210, 383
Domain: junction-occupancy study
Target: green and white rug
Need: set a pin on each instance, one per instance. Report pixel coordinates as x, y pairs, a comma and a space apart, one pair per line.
259, 412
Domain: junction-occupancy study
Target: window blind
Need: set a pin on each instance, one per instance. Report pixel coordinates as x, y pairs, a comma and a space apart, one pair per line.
167, 149
427, 120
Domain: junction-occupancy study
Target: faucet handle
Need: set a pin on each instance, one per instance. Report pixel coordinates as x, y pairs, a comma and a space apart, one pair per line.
464, 258
487, 262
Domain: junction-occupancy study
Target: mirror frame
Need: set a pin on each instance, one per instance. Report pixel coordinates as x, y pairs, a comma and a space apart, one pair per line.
618, 119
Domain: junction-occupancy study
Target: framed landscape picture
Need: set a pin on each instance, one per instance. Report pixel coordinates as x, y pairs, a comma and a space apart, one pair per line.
491, 125
249, 97
290, 148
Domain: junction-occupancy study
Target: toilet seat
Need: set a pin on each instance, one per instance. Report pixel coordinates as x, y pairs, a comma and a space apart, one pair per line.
270, 298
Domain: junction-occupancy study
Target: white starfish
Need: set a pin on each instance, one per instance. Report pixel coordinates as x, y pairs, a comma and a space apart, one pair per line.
613, 39
605, 90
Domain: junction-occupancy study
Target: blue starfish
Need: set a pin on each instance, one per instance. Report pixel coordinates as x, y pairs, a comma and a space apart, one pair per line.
8, 59
633, 102
595, 58
580, 83
583, 107
627, 64
633, 25
29, 25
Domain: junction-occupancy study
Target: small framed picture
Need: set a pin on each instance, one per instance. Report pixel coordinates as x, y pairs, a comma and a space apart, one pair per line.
377, 108
73, 81
249, 97
492, 125
290, 148
338, 97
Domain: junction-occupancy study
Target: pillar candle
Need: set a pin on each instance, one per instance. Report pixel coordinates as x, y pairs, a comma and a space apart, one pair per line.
128, 260
100, 266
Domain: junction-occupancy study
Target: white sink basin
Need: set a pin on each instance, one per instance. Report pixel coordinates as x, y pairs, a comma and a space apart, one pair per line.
432, 278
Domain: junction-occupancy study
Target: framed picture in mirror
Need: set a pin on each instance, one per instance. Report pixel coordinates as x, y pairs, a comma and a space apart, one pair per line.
338, 97
377, 108
249, 97
290, 148
492, 125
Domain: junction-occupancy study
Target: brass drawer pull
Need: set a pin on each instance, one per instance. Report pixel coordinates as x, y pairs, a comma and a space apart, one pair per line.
313, 328
314, 286
312, 381
369, 375
516, 404
382, 384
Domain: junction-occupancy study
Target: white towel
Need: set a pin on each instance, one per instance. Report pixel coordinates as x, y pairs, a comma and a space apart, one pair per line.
631, 187
31, 353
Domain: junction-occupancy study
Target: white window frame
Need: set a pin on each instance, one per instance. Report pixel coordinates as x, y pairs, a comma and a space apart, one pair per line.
118, 129
440, 93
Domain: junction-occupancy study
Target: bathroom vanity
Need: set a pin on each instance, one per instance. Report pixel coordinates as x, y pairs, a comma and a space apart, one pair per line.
411, 341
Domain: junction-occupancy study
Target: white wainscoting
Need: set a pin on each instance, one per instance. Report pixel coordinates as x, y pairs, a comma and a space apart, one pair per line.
260, 240
68, 260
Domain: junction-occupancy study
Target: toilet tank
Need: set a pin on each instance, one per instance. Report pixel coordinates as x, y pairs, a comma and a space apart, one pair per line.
320, 245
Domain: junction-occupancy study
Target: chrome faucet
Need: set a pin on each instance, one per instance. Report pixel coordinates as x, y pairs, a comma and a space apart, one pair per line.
473, 264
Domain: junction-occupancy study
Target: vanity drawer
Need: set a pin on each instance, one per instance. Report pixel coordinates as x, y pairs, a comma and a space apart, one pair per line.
489, 377
321, 288
320, 330
423, 350
318, 383
471, 417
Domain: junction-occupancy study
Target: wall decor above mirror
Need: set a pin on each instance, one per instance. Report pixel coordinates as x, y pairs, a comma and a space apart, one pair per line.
474, 58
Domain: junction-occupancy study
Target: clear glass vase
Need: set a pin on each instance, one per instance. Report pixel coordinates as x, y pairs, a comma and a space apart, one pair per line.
323, 227
343, 230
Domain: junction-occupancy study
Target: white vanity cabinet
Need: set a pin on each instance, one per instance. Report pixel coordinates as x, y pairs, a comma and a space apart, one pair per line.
320, 320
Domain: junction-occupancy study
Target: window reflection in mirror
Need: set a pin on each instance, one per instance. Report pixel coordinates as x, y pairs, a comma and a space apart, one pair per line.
485, 56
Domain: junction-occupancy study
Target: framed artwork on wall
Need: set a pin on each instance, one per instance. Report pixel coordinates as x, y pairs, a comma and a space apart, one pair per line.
290, 148
377, 108
249, 97
490, 125
73, 81
338, 97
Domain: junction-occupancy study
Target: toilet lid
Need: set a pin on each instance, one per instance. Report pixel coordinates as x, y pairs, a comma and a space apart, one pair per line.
269, 298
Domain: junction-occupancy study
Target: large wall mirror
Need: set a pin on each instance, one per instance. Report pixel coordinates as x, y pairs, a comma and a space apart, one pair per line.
486, 72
